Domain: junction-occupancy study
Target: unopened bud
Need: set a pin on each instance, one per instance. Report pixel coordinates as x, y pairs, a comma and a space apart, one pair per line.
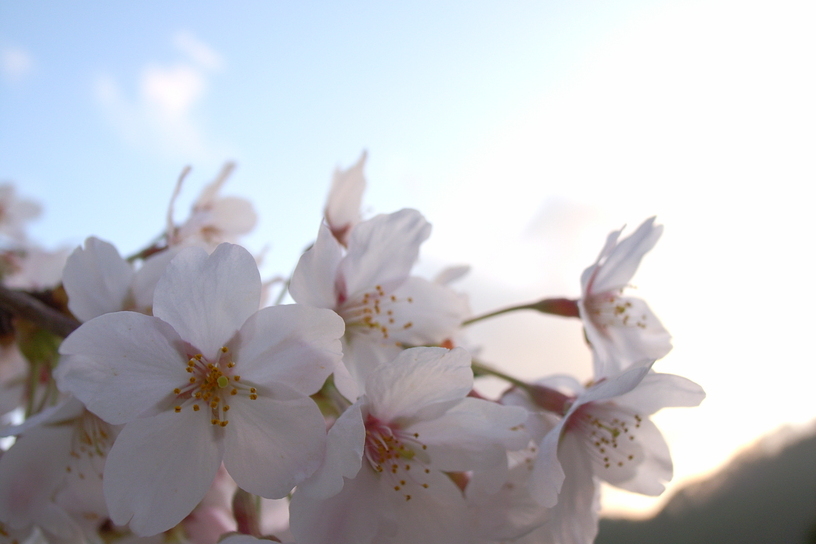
557, 306
550, 400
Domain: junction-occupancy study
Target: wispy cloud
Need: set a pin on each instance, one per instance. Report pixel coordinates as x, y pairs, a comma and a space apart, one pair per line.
198, 51
161, 114
16, 64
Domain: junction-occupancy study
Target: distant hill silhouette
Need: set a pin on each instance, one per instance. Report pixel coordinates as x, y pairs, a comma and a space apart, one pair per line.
767, 495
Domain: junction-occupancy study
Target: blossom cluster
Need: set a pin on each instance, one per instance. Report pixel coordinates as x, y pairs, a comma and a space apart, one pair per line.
163, 398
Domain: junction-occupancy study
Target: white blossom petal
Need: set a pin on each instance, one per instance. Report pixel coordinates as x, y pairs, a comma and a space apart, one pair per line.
653, 469
613, 387
356, 515
313, 281
344, 455
294, 345
207, 298
232, 216
658, 391
274, 443
362, 356
472, 435
437, 514
128, 373
621, 262
548, 474
97, 280
434, 314
30, 471
504, 512
345, 198
626, 333
146, 278
574, 520
159, 468
383, 250
419, 383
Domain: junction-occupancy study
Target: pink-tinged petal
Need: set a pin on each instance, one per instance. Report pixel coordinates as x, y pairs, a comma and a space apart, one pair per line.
122, 364
548, 474
159, 469
474, 434
622, 262
426, 312
233, 216
207, 298
624, 333
588, 275
574, 520
294, 345
345, 198
30, 472
344, 455
67, 409
97, 280
654, 467
611, 439
437, 513
420, 383
505, 512
313, 281
146, 278
613, 387
273, 444
345, 383
383, 250
362, 356
658, 391
58, 527
359, 514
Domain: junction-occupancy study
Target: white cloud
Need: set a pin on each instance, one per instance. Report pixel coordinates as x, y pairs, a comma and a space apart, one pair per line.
172, 90
16, 64
205, 56
162, 116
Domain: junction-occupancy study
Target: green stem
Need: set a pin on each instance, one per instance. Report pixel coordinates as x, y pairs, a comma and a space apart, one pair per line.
479, 368
542, 396
497, 312
555, 306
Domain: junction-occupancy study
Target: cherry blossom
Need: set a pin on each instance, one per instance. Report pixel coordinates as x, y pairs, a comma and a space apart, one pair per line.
342, 210
506, 513
98, 280
384, 477
208, 378
15, 212
606, 434
369, 285
214, 219
621, 330
32, 267
51, 477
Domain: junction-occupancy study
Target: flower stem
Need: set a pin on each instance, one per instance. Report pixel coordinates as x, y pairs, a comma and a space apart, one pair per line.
246, 511
556, 306
546, 398
480, 368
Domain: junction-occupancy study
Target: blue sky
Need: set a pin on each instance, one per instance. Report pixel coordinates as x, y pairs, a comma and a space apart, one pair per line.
524, 131
291, 91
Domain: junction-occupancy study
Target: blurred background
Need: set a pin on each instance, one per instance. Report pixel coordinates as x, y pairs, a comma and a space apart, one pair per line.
524, 131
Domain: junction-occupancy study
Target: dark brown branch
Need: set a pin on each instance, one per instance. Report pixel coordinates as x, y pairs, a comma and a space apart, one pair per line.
23, 305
